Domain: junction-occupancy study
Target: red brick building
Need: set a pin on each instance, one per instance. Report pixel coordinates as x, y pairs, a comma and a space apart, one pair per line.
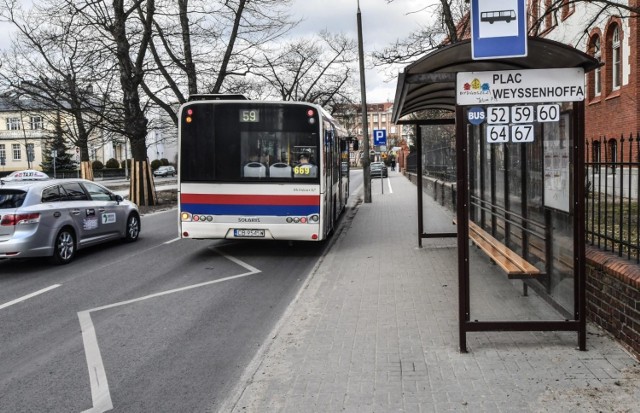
612, 105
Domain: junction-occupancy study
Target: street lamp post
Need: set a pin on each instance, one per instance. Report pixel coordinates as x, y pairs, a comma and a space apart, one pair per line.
365, 126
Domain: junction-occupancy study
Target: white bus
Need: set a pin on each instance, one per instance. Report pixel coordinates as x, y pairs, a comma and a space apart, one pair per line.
260, 170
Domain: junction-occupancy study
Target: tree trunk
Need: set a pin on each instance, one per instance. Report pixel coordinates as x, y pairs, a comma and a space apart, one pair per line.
142, 190
86, 172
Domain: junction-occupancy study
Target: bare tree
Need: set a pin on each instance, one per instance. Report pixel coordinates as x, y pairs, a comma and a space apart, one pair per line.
555, 9
318, 70
451, 24
48, 66
202, 46
123, 29
448, 24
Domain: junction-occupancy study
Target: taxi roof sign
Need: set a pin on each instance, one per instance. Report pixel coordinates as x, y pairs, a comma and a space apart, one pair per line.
26, 175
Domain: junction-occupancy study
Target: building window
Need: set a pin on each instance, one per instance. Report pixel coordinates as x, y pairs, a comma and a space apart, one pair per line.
17, 152
616, 68
534, 13
613, 151
37, 122
595, 156
31, 152
548, 14
13, 123
375, 118
567, 8
597, 74
3, 153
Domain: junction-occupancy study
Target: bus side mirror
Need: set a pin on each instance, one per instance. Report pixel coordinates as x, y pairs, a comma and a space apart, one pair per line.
355, 145
343, 146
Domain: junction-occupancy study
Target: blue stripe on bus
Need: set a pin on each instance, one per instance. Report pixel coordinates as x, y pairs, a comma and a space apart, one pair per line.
272, 210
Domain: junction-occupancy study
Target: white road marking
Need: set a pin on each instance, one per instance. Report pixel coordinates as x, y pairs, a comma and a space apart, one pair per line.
171, 241
26, 297
100, 395
389, 183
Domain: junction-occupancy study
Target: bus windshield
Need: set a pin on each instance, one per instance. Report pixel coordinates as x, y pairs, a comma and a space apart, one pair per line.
249, 142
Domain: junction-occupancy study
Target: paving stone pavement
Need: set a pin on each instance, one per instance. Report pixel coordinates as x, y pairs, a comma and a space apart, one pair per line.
375, 329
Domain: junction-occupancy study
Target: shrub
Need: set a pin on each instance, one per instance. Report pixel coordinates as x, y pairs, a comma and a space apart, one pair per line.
127, 163
155, 164
165, 161
112, 164
97, 165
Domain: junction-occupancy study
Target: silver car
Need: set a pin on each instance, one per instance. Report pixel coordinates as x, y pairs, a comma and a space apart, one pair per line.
55, 218
165, 171
378, 169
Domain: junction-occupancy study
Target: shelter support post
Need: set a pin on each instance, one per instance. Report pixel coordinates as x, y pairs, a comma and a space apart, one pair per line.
419, 183
462, 194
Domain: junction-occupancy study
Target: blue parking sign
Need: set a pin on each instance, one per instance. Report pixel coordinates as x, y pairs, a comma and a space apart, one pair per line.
379, 137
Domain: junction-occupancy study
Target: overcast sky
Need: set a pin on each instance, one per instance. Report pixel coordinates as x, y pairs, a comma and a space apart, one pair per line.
382, 24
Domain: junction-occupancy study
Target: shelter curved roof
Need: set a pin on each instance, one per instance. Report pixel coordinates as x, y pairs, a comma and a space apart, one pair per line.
430, 82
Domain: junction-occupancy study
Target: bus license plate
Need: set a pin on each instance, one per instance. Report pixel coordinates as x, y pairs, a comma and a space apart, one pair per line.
248, 233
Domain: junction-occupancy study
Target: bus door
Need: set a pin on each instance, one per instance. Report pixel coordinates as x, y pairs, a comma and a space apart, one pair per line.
328, 176
344, 172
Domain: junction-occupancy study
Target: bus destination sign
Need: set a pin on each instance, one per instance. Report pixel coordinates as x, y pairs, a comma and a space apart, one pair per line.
249, 115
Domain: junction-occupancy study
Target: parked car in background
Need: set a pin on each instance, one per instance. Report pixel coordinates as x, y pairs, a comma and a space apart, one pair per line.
379, 169
165, 171
57, 217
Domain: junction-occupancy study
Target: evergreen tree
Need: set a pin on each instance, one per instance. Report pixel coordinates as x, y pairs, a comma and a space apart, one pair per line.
64, 161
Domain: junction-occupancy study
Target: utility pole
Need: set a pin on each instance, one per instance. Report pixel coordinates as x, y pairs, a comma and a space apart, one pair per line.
26, 142
365, 124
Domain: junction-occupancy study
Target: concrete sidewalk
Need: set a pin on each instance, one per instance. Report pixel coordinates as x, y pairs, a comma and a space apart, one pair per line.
375, 329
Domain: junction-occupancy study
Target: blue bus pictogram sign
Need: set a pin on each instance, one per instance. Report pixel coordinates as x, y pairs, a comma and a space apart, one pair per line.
498, 29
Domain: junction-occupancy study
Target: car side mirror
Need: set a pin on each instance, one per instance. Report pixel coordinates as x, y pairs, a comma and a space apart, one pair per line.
119, 198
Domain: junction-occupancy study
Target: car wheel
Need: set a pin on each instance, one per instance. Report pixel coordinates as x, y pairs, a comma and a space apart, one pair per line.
133, 228
64, 249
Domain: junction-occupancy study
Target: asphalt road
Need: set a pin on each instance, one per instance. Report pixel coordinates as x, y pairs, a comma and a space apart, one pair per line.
160, 325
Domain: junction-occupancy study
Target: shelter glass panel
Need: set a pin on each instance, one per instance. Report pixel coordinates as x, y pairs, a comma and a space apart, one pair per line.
438, 143
521, 221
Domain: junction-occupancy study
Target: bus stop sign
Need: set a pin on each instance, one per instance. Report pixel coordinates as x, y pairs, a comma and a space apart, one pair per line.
498, 29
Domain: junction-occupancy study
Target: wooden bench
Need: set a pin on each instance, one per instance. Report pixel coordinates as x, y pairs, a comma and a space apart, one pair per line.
511, 263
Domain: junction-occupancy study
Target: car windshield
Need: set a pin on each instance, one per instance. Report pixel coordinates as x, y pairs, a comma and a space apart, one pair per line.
11, 198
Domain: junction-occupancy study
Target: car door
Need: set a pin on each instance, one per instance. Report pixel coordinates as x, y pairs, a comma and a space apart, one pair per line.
111, 216
83, 212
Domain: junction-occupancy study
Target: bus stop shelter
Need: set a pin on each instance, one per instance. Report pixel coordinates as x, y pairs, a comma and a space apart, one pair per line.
519, 128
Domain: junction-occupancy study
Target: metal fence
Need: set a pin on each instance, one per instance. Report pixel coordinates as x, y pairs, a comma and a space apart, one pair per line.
438, 152
612, 187
612, 213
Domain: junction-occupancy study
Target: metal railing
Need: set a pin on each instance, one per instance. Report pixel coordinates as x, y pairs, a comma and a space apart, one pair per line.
612, 188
